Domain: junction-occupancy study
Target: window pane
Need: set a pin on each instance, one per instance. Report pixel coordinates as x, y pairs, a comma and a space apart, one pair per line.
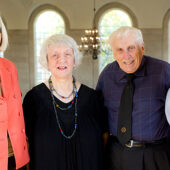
46, 24
109, 22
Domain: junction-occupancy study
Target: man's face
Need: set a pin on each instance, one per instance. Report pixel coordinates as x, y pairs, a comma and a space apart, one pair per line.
128, 53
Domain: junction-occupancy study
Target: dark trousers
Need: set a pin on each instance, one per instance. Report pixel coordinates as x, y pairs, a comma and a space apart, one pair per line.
152, 157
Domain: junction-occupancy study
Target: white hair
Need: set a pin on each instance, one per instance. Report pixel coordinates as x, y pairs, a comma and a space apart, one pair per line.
4, 36
124, 31
59, 39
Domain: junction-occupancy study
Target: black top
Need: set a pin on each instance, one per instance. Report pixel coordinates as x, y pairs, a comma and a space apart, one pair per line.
49, 150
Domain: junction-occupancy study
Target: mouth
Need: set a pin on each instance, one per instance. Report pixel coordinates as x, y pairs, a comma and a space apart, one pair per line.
128, 62
61, 68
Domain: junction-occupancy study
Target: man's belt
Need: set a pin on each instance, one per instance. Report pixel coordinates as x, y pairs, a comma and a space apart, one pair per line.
133, 143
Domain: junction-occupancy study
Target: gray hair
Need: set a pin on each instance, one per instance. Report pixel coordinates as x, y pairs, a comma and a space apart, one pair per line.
123, 32
59, 39
4, 35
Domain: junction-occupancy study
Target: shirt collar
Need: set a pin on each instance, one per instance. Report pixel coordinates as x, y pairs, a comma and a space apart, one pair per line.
139, 73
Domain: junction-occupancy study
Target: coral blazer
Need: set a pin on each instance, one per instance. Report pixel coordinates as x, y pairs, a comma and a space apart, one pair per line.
11, 117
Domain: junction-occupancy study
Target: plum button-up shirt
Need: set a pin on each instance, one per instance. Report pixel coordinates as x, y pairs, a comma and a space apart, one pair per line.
151, 82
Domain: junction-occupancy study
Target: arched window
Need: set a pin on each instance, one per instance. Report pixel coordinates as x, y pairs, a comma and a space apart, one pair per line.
111, 20
47, 23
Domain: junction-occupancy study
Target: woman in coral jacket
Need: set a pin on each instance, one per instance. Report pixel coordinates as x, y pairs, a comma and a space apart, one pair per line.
11, 114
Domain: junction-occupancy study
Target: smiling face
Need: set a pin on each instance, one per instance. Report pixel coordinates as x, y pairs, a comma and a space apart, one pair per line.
60, 61
128, 53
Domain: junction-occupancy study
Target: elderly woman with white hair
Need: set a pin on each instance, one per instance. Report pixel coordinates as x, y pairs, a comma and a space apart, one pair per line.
63, 116
11, 114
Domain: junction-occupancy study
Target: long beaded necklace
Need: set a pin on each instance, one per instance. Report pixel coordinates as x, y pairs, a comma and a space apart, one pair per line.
55, 110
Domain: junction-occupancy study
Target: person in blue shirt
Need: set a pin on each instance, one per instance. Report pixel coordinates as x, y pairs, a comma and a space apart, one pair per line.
149, 145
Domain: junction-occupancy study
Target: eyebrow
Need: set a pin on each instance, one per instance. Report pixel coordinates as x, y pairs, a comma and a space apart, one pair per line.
68, 49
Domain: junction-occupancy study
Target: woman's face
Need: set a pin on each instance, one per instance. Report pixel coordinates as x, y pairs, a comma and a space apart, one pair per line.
60, 61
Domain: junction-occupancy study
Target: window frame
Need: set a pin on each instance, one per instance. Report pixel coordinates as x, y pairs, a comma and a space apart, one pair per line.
31, 22
36, 44
117, 6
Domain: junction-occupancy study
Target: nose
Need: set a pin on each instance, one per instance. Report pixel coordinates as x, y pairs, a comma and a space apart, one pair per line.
126, 55
61, 58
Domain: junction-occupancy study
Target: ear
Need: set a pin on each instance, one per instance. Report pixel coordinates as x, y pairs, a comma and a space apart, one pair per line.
47, 63
143, 48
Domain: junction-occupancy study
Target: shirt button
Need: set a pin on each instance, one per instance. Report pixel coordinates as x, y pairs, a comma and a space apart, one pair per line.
123, 129
23, 130
14, 96
19, 113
